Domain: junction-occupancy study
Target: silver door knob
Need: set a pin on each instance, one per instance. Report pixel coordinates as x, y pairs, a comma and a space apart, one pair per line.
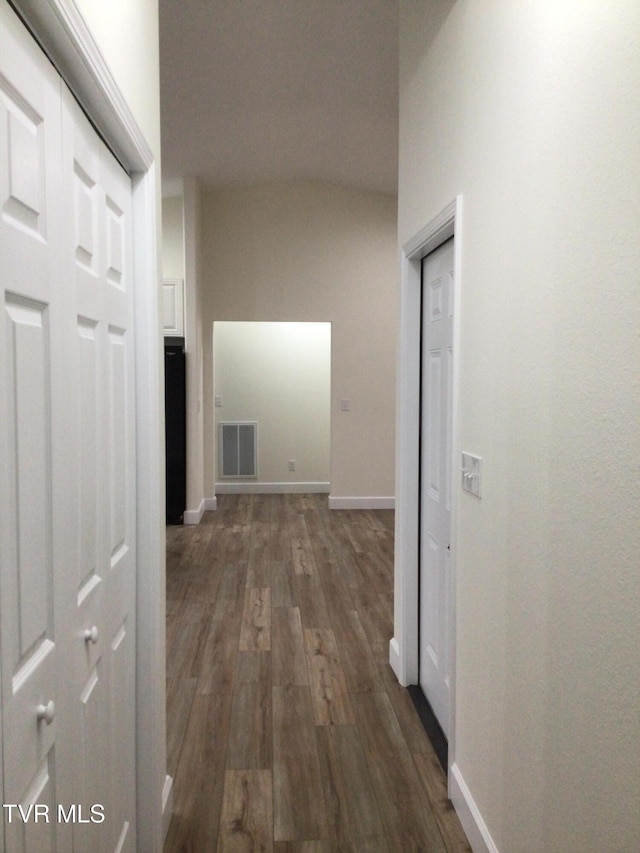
47, 712
91, 635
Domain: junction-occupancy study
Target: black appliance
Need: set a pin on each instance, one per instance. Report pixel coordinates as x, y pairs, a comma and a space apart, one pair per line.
175, 420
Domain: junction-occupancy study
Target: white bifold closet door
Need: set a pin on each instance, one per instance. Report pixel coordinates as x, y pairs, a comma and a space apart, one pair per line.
67, 489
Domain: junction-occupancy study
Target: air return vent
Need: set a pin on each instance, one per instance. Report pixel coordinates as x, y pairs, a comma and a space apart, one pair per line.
237, 449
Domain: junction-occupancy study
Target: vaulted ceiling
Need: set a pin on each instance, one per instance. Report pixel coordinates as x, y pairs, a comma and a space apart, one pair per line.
262, 90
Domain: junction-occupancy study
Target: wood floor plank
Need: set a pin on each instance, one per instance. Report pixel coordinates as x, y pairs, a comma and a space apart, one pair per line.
180, 692
406, 814
299, 811
187, 649
197, 790
246, 823
230, 591
329, 694
289, 659
352, 807
283, 593
304, 562
255, 630
358, 663
218, 663
250, 726
310, 599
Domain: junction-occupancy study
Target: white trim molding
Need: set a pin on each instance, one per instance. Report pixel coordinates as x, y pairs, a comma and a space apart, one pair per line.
362, 503
243, 488
167, 805
472, 821
211, 504
403, 649
194, 516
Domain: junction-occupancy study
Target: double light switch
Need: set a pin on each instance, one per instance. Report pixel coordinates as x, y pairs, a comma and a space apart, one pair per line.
471, 473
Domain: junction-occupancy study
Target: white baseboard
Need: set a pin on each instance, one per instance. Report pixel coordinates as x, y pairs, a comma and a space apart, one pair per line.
167, 805
394, 659
361, 503
211, 504
194, 516
271, 488
472, 821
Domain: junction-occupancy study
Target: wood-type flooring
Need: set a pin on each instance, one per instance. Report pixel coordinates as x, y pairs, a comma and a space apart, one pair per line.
287, 729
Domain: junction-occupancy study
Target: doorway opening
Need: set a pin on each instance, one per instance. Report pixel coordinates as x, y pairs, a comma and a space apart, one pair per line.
274, 378
404, 648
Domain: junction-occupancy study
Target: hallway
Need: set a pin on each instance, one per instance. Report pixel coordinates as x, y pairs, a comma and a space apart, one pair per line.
287, 730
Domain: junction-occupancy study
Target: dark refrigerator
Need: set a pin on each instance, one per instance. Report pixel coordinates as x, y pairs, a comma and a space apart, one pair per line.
175, 420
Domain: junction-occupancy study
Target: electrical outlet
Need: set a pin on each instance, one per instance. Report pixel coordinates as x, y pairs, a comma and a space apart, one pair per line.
292, 464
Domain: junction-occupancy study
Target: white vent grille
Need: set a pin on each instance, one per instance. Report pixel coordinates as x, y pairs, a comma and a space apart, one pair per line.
237, 449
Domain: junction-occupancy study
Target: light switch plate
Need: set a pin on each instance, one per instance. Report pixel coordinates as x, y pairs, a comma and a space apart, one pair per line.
218, 401
345, 405
472, 474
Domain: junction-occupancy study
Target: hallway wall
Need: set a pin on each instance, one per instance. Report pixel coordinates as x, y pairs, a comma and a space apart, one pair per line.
306, 251
531, 110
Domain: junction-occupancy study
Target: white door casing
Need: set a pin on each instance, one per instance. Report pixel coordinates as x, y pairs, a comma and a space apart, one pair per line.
435, 477
68, 500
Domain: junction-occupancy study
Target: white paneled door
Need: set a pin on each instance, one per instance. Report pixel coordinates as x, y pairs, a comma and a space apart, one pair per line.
435, 477
67, 489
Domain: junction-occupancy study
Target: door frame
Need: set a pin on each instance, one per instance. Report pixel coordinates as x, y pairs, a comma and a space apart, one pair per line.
63, 34
404, 646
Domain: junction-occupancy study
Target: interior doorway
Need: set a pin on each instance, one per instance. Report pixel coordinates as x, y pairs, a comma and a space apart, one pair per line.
435, 479
273, 379
404, 648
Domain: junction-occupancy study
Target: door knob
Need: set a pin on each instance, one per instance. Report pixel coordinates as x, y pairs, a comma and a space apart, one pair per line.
91, 635
47, 712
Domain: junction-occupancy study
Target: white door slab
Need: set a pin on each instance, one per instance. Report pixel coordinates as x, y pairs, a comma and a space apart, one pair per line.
435, 477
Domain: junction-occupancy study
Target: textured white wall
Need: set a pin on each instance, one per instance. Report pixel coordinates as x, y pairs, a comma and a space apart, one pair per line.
306, 251
193, 343
278, 374
173, 237
531, 110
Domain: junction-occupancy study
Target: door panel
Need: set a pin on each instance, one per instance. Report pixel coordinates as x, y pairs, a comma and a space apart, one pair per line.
435, 479
100, 248
29, 329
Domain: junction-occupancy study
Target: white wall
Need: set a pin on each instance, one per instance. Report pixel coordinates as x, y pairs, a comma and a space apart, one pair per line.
531, 110
181, 259
279, 375
314, 252
193, 283
173, 237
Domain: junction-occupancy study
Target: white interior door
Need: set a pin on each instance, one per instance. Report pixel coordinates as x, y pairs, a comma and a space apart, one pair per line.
32, 421
67, 490
435, 478
98, 246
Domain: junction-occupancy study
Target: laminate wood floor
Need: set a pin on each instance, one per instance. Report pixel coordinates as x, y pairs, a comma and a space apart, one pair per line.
287, 730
